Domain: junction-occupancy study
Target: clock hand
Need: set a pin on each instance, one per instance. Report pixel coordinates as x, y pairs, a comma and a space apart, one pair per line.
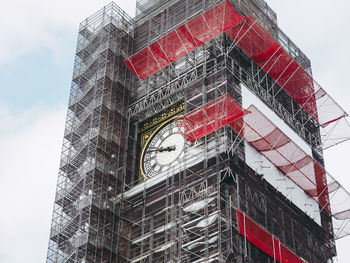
169, 149
161, 149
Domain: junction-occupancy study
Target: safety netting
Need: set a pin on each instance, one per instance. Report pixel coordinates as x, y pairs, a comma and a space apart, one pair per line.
256, 42
278, 148
298, 166
334, 124
264, 240
182, 40
210, 117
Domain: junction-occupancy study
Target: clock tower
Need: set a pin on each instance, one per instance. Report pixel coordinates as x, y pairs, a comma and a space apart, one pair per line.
195, 133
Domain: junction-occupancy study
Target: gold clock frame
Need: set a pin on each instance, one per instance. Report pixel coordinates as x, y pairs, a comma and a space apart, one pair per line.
145, 177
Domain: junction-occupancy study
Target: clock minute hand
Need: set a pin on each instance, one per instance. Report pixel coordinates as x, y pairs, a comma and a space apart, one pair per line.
161, 149
169, 148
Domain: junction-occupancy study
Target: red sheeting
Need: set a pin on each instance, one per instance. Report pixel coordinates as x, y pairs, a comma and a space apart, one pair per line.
298, 166
286, 155
278, 148
264, 240
184, 39
210, 117
257, 43
273, 59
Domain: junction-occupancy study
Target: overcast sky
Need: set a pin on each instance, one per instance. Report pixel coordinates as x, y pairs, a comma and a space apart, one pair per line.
38, 40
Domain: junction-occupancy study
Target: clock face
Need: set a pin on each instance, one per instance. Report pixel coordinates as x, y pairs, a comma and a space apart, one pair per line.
163, 151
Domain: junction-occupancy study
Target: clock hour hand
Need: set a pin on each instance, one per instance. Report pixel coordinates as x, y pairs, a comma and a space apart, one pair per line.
161, 149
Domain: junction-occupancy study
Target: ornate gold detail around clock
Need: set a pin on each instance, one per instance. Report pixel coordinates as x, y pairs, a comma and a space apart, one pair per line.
163, 150
161, 117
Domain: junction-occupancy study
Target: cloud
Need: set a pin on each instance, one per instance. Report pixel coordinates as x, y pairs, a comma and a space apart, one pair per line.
321, 30
28, 26
30, 145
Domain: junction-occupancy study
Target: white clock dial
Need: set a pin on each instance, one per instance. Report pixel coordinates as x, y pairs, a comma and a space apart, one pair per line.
163, 151
167, 157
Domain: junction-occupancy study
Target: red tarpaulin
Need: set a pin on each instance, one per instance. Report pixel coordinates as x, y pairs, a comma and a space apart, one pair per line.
264, 240
261, 47
278, 148
184, 39
210, 117
273, 59
286, 155
298, 166
257, 43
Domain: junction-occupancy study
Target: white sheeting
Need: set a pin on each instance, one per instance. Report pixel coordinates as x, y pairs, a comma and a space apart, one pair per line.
211, 259
195, 207
207, 221
275, 177
158, 230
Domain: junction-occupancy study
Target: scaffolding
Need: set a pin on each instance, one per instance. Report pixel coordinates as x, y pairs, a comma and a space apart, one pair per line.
278, 148
285, 70
201, 58
193, 58
85, 222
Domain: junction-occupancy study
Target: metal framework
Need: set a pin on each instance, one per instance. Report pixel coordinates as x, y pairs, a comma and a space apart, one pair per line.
84, 220
213, 207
